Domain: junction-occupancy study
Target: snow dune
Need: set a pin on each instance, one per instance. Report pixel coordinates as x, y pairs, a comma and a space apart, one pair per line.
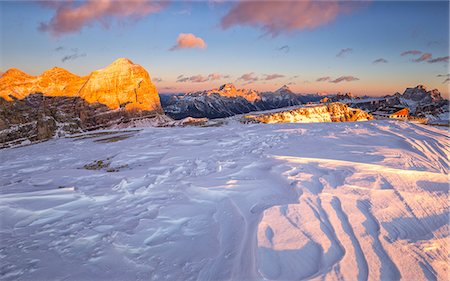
340, 201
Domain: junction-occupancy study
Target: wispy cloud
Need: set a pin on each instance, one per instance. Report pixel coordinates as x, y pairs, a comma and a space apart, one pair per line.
284, 48
248, 77
202, 78
344, 52
411, 52
157, 79
276, 17
344, 78
380, 60
443, 75
423, 57
217, 76
188, 41
446, 81
73, 57
73, 16
440, 59
273, 76
322, 79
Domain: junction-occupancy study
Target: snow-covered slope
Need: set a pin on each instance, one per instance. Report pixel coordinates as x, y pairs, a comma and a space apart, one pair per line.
344, 201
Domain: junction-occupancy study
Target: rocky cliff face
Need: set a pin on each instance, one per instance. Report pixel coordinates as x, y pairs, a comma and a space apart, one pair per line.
34, 108
332, 112
121, 84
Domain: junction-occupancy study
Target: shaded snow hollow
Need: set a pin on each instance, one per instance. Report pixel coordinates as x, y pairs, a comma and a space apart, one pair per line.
347, 201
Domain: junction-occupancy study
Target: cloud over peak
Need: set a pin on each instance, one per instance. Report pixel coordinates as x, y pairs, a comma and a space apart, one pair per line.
188, 41
275, 17
71, 16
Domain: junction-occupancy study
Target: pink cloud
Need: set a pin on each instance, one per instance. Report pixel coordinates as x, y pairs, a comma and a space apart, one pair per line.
440, 59
344, 78
248, 77
411, 52
322, 79
188, 40
276, 17
273, 76
71, 16
423, 57
202, 78
217, 76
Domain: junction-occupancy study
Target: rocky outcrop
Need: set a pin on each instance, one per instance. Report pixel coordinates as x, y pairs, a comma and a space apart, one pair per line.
332, 112
38, 117
420, 94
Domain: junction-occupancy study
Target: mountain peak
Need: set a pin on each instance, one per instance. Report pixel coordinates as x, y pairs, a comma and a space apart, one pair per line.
14, 72
283, 90
122, 61
228, 87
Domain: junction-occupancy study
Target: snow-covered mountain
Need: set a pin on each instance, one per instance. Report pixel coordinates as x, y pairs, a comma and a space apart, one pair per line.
227, 101
420, 102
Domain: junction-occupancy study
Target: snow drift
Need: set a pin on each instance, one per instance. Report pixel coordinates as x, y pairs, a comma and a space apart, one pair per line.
347, 201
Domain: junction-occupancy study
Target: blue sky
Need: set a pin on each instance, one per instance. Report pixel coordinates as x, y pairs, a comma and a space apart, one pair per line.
298, 51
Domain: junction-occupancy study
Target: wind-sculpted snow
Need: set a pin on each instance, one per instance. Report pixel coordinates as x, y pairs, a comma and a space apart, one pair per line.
340, 201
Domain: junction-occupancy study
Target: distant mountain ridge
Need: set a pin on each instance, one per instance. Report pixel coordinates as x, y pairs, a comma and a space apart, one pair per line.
227, 100
420, 102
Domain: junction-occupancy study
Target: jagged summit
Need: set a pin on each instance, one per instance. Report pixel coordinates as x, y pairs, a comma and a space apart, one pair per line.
284, 89
14, 72
420, 93
228, 87
120, 84
122, 61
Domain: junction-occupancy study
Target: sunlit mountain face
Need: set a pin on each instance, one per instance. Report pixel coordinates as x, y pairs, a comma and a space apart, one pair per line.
224, 140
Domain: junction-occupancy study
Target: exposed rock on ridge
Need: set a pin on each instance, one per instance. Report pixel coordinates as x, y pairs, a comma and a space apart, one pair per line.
332, 112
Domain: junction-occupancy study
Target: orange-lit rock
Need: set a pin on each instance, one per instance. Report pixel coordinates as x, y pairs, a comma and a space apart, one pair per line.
229, 90
16, 83
332, 112
121, 84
